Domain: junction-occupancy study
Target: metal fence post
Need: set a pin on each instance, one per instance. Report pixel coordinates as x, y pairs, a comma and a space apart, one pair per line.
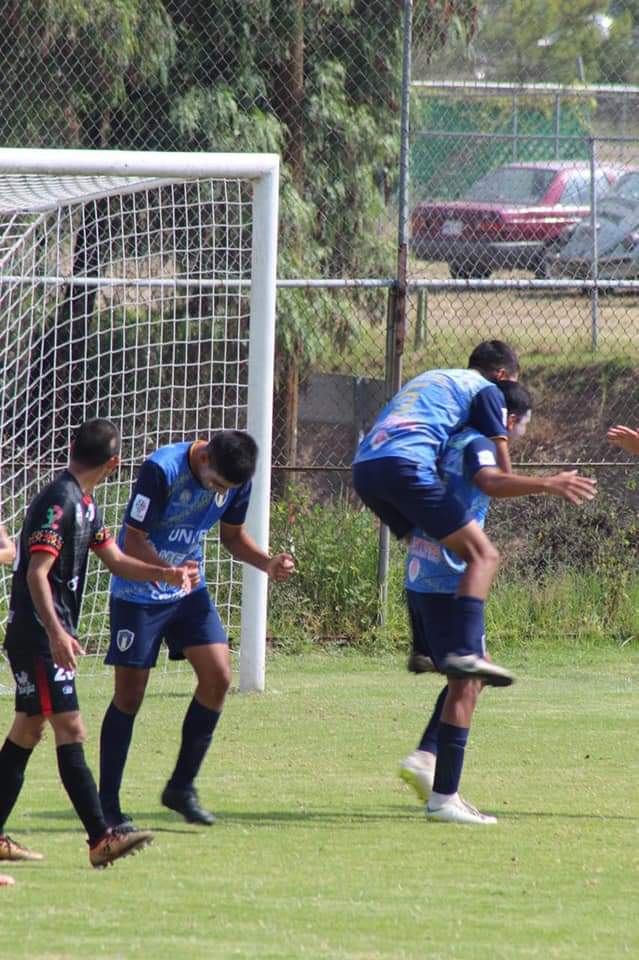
594, 300
397, 300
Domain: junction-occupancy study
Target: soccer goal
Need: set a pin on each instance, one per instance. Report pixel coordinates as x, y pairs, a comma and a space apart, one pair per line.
139, 287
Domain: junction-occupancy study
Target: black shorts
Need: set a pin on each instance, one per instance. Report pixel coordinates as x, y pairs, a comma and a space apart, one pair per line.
41, 686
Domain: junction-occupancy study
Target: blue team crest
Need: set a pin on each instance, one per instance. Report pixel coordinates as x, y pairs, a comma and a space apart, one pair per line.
124, 639
221, 498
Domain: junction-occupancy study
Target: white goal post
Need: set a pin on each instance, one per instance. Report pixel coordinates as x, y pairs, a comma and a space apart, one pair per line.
139, 286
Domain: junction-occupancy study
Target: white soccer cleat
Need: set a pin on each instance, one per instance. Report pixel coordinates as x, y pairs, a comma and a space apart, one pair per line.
418, 771
457, 810
473, 667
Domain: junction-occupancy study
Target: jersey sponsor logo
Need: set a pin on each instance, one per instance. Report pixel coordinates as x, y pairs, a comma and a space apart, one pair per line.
140, 507
124, 639
413, 569
221, 498
183, 535
72, 584
24, 685
54, 514
67, 690
185, 496
486, 458
379, 439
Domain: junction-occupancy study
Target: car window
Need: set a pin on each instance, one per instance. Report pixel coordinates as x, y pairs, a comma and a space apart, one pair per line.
511, 185
576, 193
627, 187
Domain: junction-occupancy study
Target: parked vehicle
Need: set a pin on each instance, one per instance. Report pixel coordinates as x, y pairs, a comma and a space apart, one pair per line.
509, 218
617, 238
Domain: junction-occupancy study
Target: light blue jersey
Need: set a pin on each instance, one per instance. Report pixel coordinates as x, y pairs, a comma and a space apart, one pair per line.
416, 424
430, 567
176, 512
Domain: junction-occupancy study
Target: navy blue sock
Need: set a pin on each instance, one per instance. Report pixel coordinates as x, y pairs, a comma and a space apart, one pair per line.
197, 733
13, 762
115, 739
451, 744
81, 789
469, 625
429, 736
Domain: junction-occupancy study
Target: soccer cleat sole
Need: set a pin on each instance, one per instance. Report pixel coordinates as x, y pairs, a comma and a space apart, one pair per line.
488, 673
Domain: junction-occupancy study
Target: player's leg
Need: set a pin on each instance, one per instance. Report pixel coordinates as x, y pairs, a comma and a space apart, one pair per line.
136, 635
32, 698
25, 733
199, 636
116, 734
445, 804
105, 844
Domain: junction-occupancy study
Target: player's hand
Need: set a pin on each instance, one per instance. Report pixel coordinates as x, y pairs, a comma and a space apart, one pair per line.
7, 546
281, 567
65, 649
625, 438
571, 486
179, 577
193, 569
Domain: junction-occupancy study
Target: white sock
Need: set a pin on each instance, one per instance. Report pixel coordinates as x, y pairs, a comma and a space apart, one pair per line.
438, 800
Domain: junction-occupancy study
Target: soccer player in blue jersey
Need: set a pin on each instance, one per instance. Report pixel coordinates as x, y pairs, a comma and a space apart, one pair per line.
469, 472
182, 490
395, 474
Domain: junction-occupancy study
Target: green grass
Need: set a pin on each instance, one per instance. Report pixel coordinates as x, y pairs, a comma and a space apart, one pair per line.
320, 851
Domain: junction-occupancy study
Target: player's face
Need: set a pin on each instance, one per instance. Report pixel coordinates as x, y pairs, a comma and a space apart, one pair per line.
209, 477
517, 425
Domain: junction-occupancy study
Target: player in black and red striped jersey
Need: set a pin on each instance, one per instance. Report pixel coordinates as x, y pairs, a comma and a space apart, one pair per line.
62, 524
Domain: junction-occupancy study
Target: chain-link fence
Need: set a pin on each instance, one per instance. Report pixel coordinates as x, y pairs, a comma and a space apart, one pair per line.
426, 203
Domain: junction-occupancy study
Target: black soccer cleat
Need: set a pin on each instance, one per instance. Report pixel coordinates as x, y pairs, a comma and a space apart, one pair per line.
186, 802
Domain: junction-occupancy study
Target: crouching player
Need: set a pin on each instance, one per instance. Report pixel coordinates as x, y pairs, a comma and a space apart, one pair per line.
470, 472
62, 524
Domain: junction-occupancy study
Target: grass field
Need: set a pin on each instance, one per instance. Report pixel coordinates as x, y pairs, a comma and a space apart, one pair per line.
320, 850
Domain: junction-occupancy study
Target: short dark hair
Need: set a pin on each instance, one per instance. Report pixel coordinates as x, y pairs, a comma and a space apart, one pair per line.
491, 356
234, 454
95, 442
518, 400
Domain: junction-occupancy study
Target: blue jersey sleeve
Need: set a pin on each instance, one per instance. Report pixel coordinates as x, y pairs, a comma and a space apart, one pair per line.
149, 498
488, 412
478, 454
235, 513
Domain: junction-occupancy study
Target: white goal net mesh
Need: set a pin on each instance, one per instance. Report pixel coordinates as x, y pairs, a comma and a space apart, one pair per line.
121, 298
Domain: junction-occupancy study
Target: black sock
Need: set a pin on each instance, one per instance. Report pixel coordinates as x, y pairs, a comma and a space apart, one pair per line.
197, 733
115, 739
80, 786
13, 761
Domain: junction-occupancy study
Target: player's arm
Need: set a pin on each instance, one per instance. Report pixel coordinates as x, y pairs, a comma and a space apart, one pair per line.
64, 647
133, 567
242, 547
570, 485
7, 547
488, 414
625, 438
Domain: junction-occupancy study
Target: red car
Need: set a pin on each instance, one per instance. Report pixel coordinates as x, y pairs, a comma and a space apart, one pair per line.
509, 218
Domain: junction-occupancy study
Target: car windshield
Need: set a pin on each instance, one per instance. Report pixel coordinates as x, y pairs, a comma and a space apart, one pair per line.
511, 185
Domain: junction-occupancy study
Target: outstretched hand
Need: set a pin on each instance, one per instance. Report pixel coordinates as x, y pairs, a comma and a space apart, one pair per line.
625, 438
573, 487
280, 567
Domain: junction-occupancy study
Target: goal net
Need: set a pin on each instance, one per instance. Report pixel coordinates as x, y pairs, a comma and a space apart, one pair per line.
138, 287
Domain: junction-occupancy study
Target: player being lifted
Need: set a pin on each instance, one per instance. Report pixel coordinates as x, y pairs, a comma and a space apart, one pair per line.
470, 473
62, 524
182, 490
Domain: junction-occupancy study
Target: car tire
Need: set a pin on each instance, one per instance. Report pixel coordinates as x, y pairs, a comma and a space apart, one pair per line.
468, 270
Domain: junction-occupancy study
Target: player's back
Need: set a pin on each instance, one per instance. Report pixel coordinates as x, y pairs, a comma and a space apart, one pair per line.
419, 419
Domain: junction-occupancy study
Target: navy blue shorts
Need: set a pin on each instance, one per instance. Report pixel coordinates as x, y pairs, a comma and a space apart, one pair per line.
432, 619
138, 629
42, 688
405, 495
